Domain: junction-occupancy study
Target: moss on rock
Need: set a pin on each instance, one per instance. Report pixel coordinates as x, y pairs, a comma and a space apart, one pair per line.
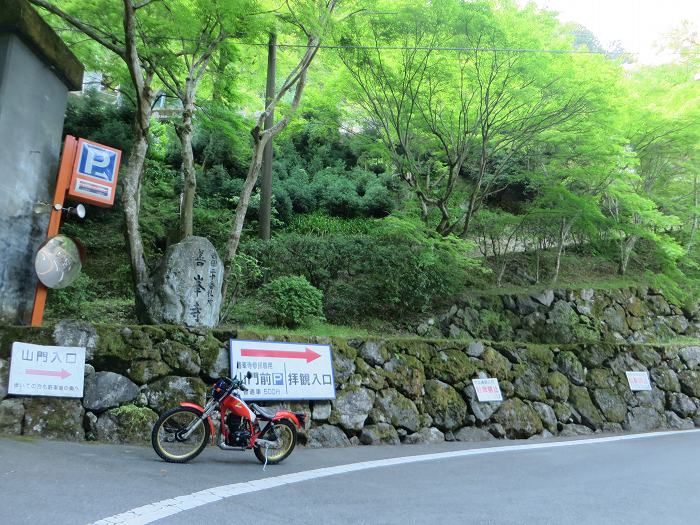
142, 372
571, 367
371, 376
167, 392
126, 424
518, 419
444, 404
601, 378
496, 364
611, 405
452, 366
406, 374
54, 418
558, 386
581, 401
540, 356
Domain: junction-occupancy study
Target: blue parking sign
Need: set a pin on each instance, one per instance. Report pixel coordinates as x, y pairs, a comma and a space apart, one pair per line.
96, 162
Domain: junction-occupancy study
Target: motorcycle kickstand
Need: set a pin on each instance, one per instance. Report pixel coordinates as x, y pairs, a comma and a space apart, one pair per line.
265, 464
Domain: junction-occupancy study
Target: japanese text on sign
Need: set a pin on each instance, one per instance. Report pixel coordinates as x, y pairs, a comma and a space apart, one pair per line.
283, 371
46, 370
638, 380
487, 389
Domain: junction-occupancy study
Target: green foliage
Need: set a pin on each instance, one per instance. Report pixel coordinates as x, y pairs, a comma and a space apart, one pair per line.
337, 191
614, 182
320, 224
292, 301
96, 117
396, 269
74, 301
159, 206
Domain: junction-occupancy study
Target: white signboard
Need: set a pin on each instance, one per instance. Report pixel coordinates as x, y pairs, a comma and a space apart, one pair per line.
638, 380
37, 370
487, 389
283, 371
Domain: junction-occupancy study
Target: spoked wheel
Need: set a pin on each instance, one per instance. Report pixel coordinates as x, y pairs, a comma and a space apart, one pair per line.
179, 435
284, 435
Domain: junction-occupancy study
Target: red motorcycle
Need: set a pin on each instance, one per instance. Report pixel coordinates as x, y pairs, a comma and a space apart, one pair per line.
181, 433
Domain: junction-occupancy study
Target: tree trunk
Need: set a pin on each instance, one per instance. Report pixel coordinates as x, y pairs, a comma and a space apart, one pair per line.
189, 174
131, 200
626, 247
564, 229
501, 273
266, 183
694, 226
242, 208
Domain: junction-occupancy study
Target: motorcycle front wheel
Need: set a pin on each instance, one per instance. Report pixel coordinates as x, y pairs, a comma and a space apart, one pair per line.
284, 434
179, 435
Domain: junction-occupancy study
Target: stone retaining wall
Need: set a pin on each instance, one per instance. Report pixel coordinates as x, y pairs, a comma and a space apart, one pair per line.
388, 391
631, 315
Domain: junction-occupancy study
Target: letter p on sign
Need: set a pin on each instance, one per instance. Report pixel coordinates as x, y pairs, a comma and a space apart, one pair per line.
97, 162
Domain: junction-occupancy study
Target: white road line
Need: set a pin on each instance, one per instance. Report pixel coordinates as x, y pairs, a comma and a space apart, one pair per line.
164, 508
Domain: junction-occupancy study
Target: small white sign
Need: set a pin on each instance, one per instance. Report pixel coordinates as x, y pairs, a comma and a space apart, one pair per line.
283, 371
487, 389
638, 380
36, 370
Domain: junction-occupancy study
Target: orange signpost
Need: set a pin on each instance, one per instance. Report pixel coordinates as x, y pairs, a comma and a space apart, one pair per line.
65, 170
87, 173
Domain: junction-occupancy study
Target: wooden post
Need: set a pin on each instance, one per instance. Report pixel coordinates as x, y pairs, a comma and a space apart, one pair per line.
65, 170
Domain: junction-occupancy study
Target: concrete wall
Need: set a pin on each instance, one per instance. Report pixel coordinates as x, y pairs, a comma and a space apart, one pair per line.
32, 107
36, 71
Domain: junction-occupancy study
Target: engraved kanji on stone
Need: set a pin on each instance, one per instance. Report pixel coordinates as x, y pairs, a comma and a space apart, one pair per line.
199, 284
200, 260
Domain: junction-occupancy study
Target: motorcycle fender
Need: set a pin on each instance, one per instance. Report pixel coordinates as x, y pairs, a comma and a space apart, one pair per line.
285, 414
211, 423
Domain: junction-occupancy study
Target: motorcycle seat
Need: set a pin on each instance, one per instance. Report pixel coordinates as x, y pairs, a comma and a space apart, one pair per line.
263, 413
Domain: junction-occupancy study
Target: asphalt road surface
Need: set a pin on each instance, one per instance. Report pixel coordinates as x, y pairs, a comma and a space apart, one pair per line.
652, 478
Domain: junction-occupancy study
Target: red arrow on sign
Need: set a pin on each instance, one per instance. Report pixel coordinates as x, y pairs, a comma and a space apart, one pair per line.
55, 373
307, 354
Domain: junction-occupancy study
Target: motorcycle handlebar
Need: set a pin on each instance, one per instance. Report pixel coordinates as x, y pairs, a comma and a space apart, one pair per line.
237, 384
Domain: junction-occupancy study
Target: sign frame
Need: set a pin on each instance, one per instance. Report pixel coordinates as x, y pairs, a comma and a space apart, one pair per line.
50, 385
281, 346
638, 386
91, 184
488, 397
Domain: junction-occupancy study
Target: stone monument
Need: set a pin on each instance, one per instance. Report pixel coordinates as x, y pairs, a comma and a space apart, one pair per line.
36, 72
185, 288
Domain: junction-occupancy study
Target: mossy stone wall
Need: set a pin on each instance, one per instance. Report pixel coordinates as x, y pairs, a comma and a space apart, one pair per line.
390, 390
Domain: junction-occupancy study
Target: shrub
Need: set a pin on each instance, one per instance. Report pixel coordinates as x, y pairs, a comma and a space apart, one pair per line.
292, 301
393, 270
322, 224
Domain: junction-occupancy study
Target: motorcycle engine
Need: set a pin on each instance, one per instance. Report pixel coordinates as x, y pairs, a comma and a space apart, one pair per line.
238, 435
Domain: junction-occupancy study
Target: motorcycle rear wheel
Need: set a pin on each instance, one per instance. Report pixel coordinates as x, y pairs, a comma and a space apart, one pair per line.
167, 438
285, 433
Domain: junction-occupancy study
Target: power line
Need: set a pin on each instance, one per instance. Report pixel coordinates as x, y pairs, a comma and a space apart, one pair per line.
430, 48
612, 54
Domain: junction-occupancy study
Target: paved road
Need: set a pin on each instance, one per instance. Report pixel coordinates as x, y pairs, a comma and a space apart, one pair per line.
649, 480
